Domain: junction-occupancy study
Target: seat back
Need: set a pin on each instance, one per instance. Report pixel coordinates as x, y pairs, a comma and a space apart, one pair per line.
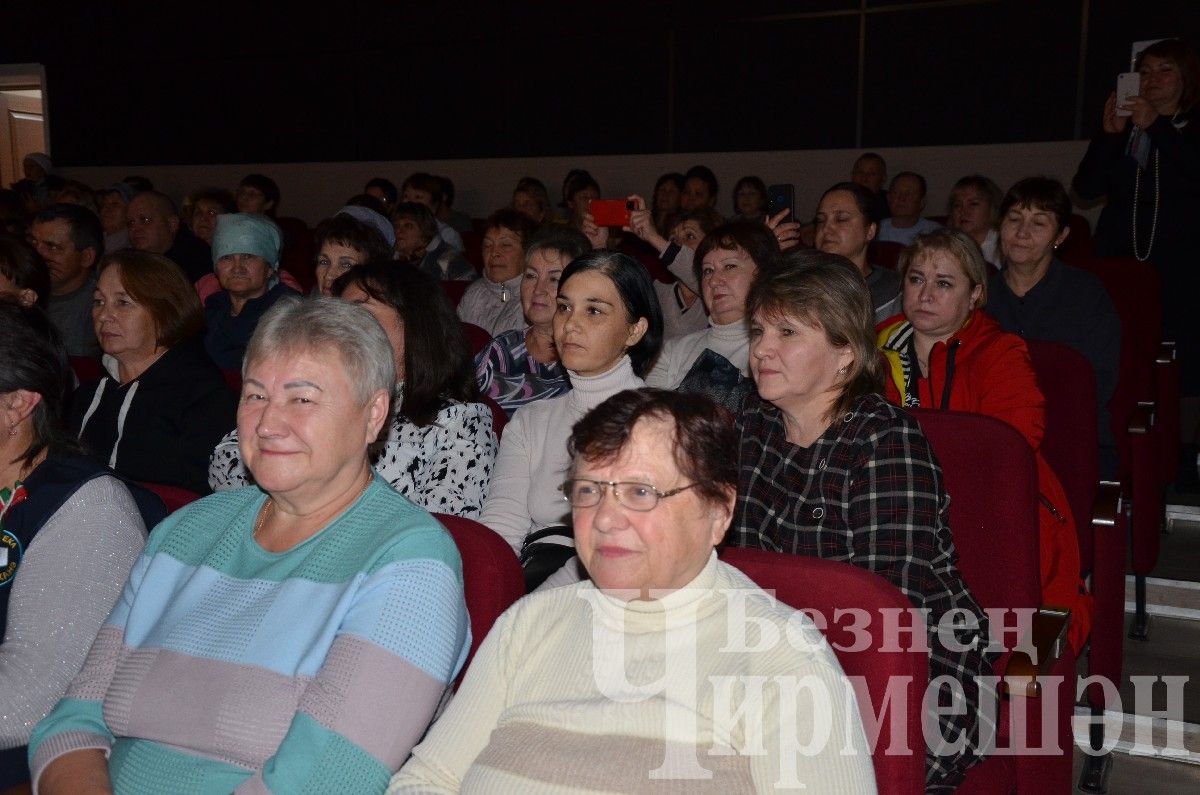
473, 249
991, 477
173, 497
1069, 444
298, 255
884, 253
86, 368
492, 578
825, 589
454, 290
1078, 247
477, 337
499, 418
644, 253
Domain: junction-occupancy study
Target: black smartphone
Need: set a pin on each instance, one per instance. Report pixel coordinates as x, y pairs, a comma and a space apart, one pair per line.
781, 197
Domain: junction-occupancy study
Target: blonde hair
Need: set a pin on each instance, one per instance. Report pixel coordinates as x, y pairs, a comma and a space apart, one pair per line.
958, 245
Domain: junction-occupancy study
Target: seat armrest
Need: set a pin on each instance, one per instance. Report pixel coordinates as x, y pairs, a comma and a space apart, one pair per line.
1049, 638
1142, 419
1166, 352
1108, 505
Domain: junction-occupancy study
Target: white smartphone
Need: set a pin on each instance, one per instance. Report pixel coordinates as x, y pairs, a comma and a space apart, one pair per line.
1129, 84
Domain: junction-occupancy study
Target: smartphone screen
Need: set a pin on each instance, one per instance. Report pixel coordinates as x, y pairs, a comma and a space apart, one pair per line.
610, 212
781, 197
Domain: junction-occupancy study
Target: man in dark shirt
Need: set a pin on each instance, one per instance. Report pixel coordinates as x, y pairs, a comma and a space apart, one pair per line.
70, 239
154, 226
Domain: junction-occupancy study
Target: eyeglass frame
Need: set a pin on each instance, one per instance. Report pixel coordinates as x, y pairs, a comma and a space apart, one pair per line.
604, 485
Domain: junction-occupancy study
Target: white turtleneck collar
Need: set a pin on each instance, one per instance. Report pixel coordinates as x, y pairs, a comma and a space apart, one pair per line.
675, 606
512, 288
589, 391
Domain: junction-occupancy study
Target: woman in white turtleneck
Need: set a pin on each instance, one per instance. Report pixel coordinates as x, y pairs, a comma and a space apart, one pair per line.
607, 330
714, 360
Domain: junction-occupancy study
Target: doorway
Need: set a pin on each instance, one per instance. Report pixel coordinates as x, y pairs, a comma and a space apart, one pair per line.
23, 127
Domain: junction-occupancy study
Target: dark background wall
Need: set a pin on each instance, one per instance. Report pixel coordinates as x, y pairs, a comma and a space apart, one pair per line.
242, 82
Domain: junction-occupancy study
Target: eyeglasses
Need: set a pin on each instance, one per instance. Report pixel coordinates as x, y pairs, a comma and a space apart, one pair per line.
634, 496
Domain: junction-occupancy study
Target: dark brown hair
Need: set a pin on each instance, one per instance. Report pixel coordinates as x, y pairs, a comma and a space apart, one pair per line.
754, 238
704, 444
1180, 53
159, 285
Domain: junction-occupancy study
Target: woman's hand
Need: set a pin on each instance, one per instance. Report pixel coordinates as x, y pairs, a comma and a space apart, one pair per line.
1110, 121
641, 223
786, 232
596, 235
82, 772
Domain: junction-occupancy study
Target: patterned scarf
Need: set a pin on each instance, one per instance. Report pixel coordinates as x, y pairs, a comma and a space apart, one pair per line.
12, 497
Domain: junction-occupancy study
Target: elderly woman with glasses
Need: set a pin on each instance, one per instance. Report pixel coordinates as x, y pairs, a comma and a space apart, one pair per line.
615, 683
294, 636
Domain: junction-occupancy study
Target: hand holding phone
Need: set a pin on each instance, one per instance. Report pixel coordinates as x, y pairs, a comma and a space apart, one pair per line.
612, 212
781, 197
1129, 84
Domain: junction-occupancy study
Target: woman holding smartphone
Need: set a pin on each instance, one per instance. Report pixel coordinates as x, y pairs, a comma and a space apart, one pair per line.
1146, 160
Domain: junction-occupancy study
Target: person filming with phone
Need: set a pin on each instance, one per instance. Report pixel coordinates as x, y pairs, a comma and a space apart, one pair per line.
1146, 160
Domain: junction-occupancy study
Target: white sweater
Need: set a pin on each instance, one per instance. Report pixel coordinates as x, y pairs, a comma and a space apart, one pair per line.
533, 458
493, 307
575, 691
678, 355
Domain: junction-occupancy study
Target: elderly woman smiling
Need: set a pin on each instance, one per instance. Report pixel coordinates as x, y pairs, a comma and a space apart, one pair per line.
293, 637
571, 672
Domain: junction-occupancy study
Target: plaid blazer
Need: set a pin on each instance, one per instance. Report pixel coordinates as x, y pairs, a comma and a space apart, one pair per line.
869, 492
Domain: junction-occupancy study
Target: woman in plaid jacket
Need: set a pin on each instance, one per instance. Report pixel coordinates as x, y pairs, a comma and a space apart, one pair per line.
829, 468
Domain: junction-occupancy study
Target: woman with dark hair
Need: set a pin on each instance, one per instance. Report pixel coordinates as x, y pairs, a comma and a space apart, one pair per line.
344, 241
844, 226
522, 366
205, 205
665, 205
607, 329
974, 208
257, 194
419, 245
715, 361
162, 404
945, 352
578, 189
1039, 297
823, 458
1145, 162
440, 446
750, 199
531, 198
547, 706
69, 534
24, 277
494, 302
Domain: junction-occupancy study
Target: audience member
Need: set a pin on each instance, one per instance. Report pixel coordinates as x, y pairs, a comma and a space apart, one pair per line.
818, 433
522, 365
607, 329
207, 204
493, 302
24, 277
139, 183
295, 636
715, 361
531, 199
974, 208
154, 226
384, 190
945, 352
345, 241
652, 475
13, 220
419, 245
71, 534
70, 240
38, 169
426, 189
257, 194
579, 190
750, 199
906, 199
1145, 166
113, 206
667, 192
161, 405
369, 202
439, 448
699, 189
245, 256
76, 192
1038, 297
870, 171
844, 226
459, 222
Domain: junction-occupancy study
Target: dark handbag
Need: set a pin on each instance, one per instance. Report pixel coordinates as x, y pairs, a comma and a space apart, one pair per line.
541, 557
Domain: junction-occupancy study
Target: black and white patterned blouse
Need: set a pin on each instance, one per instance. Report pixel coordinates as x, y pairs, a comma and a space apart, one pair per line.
445, 467
870, 492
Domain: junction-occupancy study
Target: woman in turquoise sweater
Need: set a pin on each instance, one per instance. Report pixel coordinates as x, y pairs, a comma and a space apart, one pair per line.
296, 636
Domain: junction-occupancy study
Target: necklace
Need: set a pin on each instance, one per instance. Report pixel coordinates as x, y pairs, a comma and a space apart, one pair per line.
269, 505
1137, 182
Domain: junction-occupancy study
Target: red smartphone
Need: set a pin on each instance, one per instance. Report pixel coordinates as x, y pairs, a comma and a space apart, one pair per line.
611, 212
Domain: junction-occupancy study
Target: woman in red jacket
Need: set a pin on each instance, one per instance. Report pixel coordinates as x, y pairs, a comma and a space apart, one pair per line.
944, 352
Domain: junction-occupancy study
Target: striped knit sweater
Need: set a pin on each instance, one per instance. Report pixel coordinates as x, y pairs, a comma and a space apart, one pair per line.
574, 691
226, 668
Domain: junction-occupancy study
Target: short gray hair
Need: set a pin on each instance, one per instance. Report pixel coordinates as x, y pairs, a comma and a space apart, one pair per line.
311, 324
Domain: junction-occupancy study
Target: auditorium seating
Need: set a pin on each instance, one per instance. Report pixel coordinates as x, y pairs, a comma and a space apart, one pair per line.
476, 336
884, 253
173, 497
299, 254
